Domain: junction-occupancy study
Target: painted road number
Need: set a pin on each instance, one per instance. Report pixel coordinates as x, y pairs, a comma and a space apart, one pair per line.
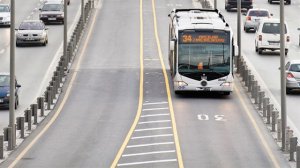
205, 117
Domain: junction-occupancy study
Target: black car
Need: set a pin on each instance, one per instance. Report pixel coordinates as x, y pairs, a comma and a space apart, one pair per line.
4, 91
246, 4
287, 1
52, 12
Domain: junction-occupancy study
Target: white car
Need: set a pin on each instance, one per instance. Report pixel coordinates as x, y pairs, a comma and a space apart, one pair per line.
32, 32
4, 15
267, 36
253, 18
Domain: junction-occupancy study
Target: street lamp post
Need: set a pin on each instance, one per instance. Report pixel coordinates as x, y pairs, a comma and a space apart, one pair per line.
239, 6
215, 4
65, 33
12, 77
282, 73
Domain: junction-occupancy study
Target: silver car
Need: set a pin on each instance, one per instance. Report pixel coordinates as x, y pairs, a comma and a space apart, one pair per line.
32, 32
253, 18
4, 15
292, 75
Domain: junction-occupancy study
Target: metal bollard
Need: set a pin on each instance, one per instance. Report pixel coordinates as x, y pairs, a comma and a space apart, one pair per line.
28, 115
269, 110
1, 147
289, 134
257, 89
246, 76
279, 130
41, 101
275, 115
250, 83
34, 113
49, 100
253, 87
261, 95
298, 157
10, 145
293, 146
20, 125
266, 101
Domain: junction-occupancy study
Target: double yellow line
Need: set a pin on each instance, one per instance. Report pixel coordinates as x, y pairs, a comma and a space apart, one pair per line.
139, 111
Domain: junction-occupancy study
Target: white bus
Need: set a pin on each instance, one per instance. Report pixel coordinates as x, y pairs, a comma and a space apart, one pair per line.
201, 51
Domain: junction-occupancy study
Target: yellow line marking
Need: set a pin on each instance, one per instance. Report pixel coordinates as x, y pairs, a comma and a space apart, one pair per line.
258, 131
176, 139
141, 94
65, 98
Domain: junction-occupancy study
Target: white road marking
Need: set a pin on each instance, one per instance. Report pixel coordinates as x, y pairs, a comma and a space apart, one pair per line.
155, 103
151, 144
154, 109
155, 115
158, 121
148, 153
146, 162
152, 129
152, 136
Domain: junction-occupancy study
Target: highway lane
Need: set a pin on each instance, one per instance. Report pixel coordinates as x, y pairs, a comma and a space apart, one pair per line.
34, 65
95, 116
267, 65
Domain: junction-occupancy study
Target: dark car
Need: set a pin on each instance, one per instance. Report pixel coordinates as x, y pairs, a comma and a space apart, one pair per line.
246, 4
52, 12
287, 1
4, 91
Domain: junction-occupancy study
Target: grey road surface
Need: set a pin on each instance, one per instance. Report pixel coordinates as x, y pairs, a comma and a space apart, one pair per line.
213, 130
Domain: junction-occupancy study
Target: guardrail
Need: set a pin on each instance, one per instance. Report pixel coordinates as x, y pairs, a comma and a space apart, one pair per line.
35, 114
262, 100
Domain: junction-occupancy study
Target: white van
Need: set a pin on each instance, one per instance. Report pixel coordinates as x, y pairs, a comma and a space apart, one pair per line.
267, 36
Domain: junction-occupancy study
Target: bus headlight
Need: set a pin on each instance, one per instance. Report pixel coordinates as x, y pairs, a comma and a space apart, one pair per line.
181, 83
226, 84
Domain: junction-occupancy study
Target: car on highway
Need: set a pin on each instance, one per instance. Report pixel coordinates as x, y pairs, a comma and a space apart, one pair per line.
5, 89
52, 12
4, 15
267, 36
246, 4
287, 1
253, 18
292, 75
60, 1
32, 32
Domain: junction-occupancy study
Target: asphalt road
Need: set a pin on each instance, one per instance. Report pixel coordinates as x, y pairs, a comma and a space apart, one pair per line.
34, 64
267, 65
118, 112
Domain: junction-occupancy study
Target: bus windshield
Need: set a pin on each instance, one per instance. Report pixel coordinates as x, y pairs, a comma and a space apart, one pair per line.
204, 53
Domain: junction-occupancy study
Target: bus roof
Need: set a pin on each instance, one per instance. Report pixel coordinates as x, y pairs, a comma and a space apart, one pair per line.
198, 19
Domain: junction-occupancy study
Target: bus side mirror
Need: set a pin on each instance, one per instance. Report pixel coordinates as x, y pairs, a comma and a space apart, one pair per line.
236, 50
172, 44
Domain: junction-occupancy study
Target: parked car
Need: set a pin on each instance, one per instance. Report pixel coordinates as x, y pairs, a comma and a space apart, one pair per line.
52, 12
292, 75
268, 36
253, 18
32, 32
60, 1
287, 1
4, 15
5, 89
246, 4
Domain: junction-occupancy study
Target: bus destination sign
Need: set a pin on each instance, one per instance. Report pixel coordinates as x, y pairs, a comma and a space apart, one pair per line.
195, 37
